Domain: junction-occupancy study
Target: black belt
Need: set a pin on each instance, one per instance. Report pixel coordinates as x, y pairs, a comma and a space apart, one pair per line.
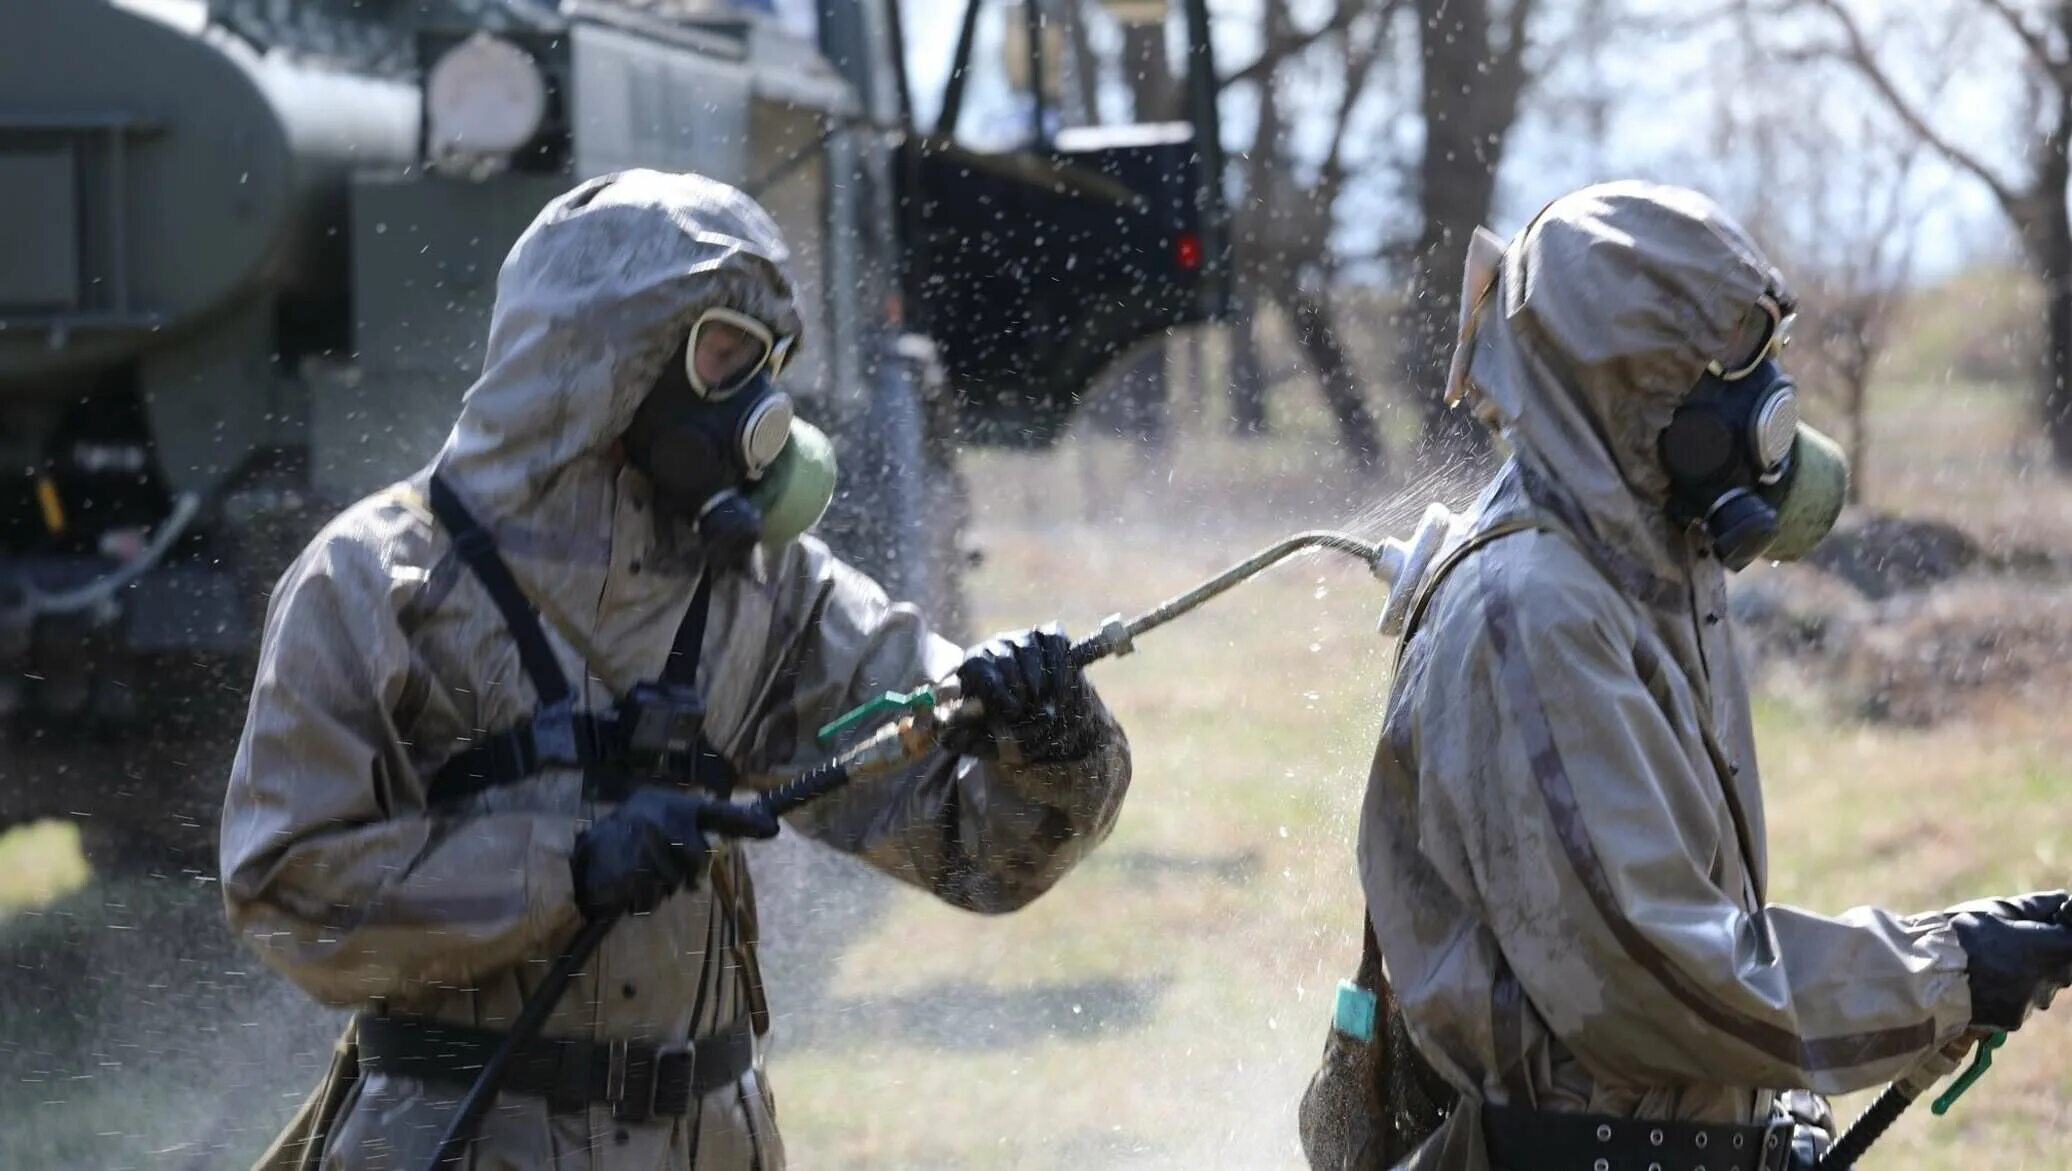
638, 1080
1537, 1140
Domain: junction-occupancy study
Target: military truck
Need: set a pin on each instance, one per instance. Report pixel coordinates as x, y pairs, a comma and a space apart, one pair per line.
248, 250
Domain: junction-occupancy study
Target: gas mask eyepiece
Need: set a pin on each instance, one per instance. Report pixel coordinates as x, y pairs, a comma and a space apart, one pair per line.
726, 350
1744, 465
714, 437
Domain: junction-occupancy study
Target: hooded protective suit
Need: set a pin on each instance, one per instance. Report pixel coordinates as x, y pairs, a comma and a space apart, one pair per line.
1562, 844
384, 656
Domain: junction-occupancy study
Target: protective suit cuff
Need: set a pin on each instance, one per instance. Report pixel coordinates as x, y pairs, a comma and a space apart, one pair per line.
1952, 988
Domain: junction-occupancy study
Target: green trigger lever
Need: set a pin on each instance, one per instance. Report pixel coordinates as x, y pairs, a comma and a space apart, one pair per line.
893, 703
1979, 1065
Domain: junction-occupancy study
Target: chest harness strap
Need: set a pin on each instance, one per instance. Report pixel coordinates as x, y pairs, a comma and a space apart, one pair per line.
655, 733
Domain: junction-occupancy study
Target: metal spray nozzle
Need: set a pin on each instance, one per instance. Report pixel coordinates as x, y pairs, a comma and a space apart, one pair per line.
1402, 565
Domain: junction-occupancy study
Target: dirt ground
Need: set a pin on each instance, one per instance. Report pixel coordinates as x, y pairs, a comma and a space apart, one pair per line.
1164, 1007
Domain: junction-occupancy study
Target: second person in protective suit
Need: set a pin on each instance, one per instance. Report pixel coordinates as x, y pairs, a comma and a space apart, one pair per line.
1563, 846
517, 690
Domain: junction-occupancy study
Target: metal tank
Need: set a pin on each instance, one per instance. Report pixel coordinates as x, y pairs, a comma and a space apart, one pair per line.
248, 253
173, 207
154, 178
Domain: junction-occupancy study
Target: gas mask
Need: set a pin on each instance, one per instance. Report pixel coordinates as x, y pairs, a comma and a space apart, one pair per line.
721, 445
1742, 464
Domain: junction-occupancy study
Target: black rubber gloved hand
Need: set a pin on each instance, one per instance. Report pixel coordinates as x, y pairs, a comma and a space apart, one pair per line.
2020, 955
1032, 694
654, 844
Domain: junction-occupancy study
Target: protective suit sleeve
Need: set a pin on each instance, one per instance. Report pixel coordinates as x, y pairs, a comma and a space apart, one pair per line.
987, 836
1594, 849
333, 870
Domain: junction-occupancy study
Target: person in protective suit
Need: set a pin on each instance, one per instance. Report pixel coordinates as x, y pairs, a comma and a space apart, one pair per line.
516, 690
1562, 843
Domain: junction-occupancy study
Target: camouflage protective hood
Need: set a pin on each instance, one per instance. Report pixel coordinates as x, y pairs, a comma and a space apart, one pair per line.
593, 298
1583, 334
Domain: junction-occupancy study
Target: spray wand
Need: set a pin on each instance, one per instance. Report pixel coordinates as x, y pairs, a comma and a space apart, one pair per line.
918, 718
1393, 562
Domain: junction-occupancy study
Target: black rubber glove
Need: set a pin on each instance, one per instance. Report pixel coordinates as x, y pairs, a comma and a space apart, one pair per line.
1032, 694
653, 844
2020, 954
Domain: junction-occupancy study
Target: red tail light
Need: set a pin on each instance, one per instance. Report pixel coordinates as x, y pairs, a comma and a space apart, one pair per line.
1187, 251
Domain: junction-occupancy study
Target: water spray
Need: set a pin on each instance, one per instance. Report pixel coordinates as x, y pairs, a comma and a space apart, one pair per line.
913, 726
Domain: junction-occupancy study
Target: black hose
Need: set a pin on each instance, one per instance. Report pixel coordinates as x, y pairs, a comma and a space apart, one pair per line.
460, 1134
792, 795
467, 1123
1866, 1130
803, 789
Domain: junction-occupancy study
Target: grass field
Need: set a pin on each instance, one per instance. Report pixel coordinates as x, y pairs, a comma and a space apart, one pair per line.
1204, 939
1164, 1007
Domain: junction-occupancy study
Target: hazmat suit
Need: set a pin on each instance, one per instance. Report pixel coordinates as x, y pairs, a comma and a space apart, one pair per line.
1562, 843
384, 657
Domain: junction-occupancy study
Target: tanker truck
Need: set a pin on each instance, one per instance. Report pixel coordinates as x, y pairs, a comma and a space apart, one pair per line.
248, 250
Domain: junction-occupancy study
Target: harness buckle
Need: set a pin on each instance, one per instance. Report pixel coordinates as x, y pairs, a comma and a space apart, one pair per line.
662, 723
554, 735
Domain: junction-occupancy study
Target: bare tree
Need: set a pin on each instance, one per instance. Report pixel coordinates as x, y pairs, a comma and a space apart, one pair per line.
1854, 291
1282, 231
1469, 60
1473, 74
1830, 189
2032, 193
1327, 80
1848, 241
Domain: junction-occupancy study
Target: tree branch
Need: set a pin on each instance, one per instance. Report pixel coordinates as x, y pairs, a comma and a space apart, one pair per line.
1360, 60
1277, 50
1692, 20
1515, 26
2033, 40
1859, 53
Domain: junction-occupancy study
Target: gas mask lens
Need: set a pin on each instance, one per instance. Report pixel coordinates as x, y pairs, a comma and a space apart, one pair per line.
1775, 336
1744, 465
728, 349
